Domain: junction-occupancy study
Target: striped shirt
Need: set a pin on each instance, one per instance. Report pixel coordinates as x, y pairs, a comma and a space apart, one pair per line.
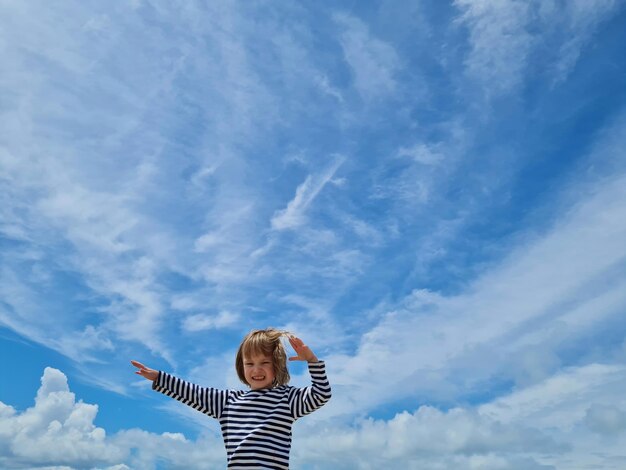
256, 424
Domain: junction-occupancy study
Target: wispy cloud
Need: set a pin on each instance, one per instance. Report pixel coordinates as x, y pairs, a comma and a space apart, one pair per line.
106, 203
504, 43
422, 153
578, 23
430, 195
373, 61
500, 43
294, 214
556, 282
202, 322
327, 88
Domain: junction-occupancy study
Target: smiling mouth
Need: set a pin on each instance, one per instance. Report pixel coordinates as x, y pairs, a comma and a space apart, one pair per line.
258, 378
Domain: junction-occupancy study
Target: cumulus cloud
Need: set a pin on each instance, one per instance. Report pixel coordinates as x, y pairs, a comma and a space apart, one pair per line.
432, 431
523, 430
59, 432
56, 430
543, 426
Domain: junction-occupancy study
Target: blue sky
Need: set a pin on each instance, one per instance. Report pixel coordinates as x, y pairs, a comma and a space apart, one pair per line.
431, 194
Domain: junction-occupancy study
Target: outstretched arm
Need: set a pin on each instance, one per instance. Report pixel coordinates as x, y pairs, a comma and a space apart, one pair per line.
204, 399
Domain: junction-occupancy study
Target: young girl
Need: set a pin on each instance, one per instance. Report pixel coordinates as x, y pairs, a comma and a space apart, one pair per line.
256, 423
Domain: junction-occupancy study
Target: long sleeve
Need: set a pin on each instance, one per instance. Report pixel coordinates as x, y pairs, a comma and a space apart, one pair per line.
306, 400
207, 400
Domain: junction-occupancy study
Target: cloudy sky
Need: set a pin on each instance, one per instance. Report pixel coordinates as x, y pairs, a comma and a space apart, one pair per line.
431, 194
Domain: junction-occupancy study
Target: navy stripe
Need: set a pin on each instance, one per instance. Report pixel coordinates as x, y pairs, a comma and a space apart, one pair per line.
256, 424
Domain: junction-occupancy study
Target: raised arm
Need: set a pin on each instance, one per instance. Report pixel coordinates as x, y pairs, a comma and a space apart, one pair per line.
303, 352
207, 400
308, 399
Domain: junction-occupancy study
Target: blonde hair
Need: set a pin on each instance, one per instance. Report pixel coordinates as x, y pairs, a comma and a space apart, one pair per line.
265, 342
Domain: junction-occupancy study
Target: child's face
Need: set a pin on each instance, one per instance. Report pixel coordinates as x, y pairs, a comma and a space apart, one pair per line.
259, 371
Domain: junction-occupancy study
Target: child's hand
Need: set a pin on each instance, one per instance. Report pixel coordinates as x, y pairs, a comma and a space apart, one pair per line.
302, 350
144, 371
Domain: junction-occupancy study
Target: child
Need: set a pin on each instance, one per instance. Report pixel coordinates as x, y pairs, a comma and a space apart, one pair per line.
256, 423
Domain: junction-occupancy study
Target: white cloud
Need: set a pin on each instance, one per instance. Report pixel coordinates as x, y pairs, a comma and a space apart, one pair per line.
92, 183
414, 176
543, 426
499, 41
565, 284
580, 19
294, 214
504, 36
367, 233
324, 84
59, 432
422, 153
56, 430
374, 62
554, 424
202, 322
85, 180
76, 343
426, 438
606, 419
563, 400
